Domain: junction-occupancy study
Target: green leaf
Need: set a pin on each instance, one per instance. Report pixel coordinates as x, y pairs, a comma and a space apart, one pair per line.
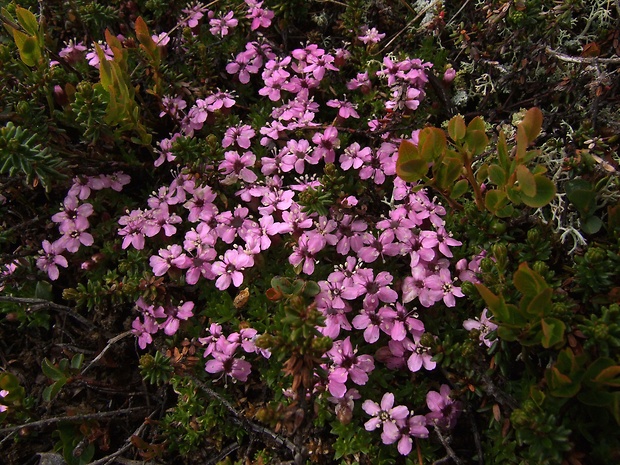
532, 124
502, 151
609, 376
495, 200
432, 143
27, 20
497, 175
528, 282
581, 194
526, 180
28, 47
456, 128
44, 291
448, 171
553, 332
409, 165
540, 304
51, 371
76, 361
476, 141
459, 189
591, 225
560, 384
545, 191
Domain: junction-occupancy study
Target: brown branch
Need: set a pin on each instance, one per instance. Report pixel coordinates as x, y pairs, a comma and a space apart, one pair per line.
128, 444
581, 60
446, 444
243, 421
88, 416
111, 341
40, 304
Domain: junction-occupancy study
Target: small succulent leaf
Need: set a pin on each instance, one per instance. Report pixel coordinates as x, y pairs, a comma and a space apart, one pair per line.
28, 47
528, 282
497, 175
27, 20
514, 194
540, 304
476, 124
449, 171
507, 334
526, 181
409, 165
505, 212
595, 398
495, 200
483, 173
591, 225
609, 376
456, 128
76, 361
476, 141
144, 36
560, 384
595, 369
545, 191
459, 189
581, 194
432, 143
529, 156
553, 332
51, 371
502, 151
532, 123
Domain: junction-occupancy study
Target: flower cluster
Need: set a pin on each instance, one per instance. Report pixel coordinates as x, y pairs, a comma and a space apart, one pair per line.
73, 221
377, 268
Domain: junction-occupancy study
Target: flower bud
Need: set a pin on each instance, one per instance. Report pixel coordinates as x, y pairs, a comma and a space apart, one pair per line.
449, 76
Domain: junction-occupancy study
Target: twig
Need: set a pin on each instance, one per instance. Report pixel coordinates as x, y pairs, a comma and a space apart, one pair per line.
89, 416
225, 453
581, 60
474, 428
108, 458
239, 418
112, 341
419, 15
446, 445
500, 396
457, 13
40, 304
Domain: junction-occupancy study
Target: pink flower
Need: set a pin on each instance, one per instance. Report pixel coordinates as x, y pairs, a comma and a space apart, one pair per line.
441, 287
345, 109
305, 251
444, 410
172, 256
73, 52
347, 365
449, 75
260, 17
326, 144
240, 135
229, 268
224, 361
385, 415
223, 24
484, 325
51, 260
371, 36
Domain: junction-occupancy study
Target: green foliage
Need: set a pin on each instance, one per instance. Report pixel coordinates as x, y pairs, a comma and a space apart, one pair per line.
122, 109
20, 151
156, 369
29, 43
531, 322
60, 374
451, 166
